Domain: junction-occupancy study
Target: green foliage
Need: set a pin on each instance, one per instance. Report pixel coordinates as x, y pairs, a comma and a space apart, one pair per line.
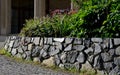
57, 26
94, 19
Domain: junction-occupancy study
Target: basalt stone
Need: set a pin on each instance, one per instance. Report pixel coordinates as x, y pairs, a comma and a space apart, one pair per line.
97, 48
77, 65
71, 57
31, 46
45, 40
28, 39
50, 41
58, 45
105, 44
108, 66
91, 59
41, 42
116, 41
25, 48
68, 48
106, 57
43, 54
14, 52
112, 52
69, 40
24, 55
115, 71
49, 62
98, 63
62, 66
16, 44
81, 58
97, 40
78, 47
37, 40
111, 43
11, 44
89, 51
117, 61
20, 50
53, 51
78, 41
36, 51
59, 39
28, 55
117, 51
46, 47
63, 57
36, 60
87, 42
57, 59
32, 39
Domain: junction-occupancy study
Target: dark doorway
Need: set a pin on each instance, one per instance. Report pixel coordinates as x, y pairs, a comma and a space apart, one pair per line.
21, 10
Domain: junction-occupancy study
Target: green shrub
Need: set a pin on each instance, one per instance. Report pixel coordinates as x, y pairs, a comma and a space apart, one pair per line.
57, 26
94, 19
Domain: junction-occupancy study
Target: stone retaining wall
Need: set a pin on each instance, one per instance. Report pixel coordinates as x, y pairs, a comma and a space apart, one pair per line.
101, 54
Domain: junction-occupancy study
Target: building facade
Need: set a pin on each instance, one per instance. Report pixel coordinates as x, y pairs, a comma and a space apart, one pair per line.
13, 13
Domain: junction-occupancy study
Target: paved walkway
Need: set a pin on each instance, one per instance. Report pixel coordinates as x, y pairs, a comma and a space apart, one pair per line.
11, 67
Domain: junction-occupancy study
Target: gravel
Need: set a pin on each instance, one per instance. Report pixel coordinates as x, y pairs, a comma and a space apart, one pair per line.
9, 66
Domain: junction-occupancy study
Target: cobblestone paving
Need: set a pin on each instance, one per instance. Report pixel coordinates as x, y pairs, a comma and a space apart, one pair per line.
11, 67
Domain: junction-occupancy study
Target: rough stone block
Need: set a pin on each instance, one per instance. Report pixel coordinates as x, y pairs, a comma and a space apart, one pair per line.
117, 51
20, 50
53, 51
59, 39
81, 58
36, 60
16, 44
68, 48
78, 41
78, 66
89, 51
98, 63
106, 57
11, 44
25, 48
63, 57
97, 48
116, 41
87, 42
97, 40
71, 57
43, 54
14, 52
78, 47
62, 66
115, 71
108, 66
49, 62
57, 60
117, 61
58, 45
36, 40
31, 46
36, 51
69, 40
50, 41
